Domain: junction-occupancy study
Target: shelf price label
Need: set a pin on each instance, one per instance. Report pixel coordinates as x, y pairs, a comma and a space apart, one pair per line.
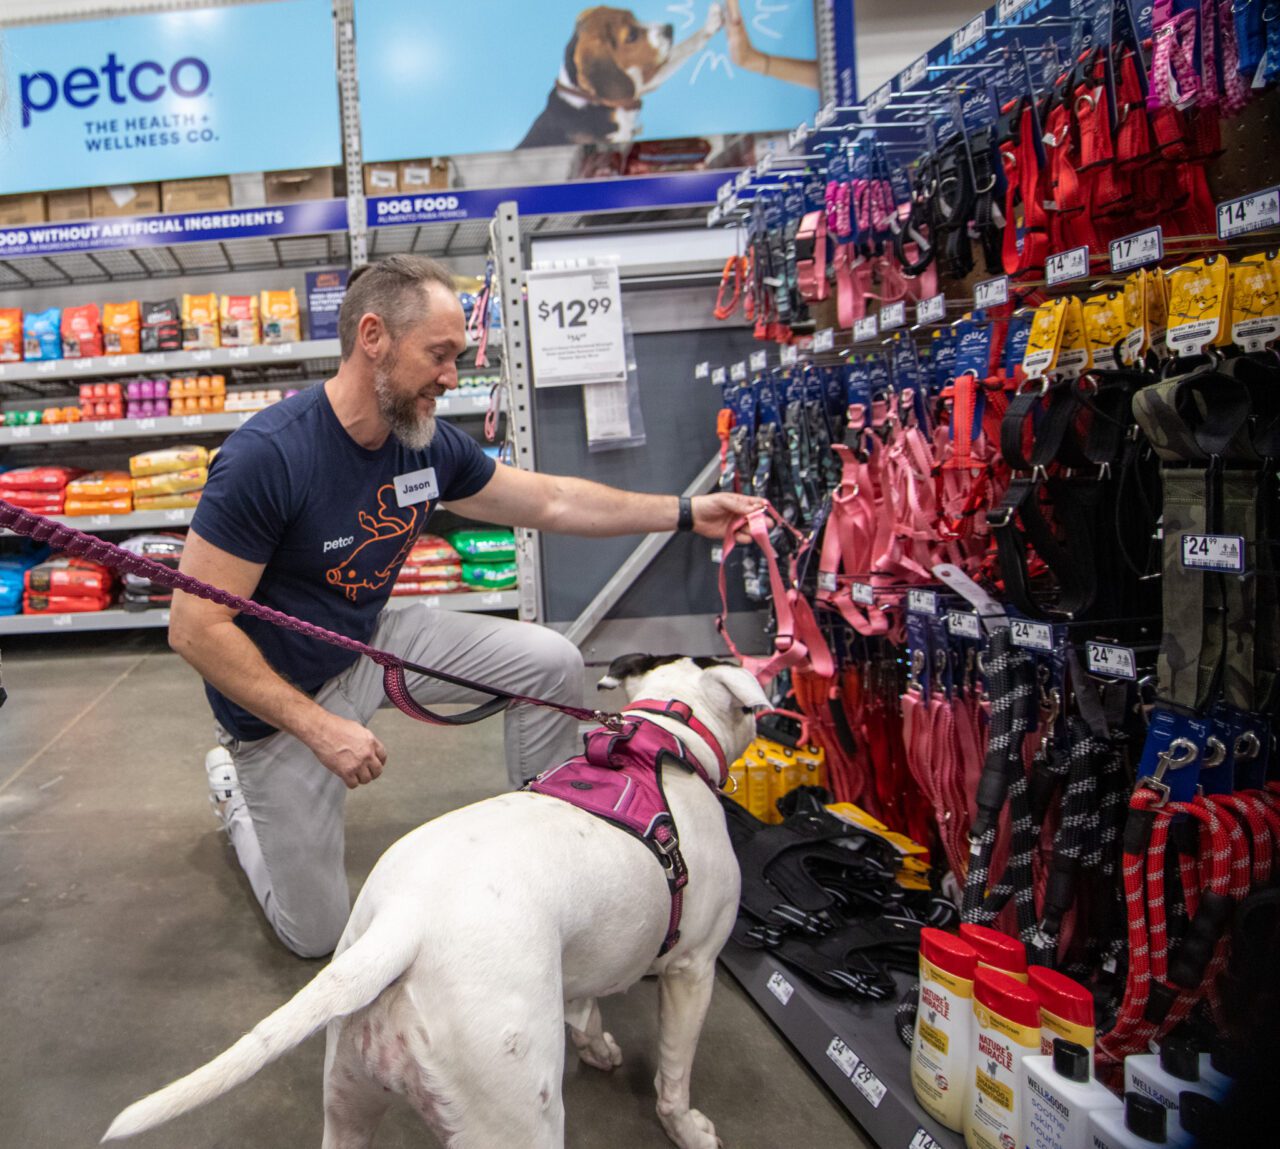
738, 371
154, 360
1249, 213
1137, 250
963, 624
177, 515
575, 318
913, 73
60, 430
991, 292
824, 340
20, 432
922, 602
202, 356
1031, 635
82, 364
1111, 661
759, 360
844, 1057
193, 420
932, 310
922, 1140
238, 353
1066, 266
893, 315
48, 367
780, 987
104, 427
491, 598
1213, 553
868, 1084
865, 329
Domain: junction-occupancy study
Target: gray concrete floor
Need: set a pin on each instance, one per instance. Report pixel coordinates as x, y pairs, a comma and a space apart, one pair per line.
131, 950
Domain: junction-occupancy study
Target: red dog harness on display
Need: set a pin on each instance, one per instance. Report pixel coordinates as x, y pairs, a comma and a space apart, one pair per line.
811, 256
619, 778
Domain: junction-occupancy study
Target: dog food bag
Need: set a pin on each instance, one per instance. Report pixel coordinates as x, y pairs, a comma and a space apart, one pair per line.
136, 600
159, 547
240, 321
50, 480
168, 459
121, 505
171, 482
428, 586
69, 576
81, 332
101, 485
162, 326
42, 334
485, 546
39, 603
412, 570
199, 322
280, 320
121, 328
165, 502
40, 502
432, 549
10, 335
489, 576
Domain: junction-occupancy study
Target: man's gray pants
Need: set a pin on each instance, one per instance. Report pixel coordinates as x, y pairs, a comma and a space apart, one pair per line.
289, 831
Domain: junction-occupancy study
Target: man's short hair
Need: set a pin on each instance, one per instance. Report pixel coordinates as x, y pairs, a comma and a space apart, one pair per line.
394, 289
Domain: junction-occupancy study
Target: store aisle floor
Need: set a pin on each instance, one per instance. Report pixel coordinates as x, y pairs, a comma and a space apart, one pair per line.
130, 950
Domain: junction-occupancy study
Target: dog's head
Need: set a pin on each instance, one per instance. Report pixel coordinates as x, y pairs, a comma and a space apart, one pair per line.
720, 693
612, 55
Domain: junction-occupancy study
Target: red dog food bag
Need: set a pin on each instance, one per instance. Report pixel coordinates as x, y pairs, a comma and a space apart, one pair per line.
48, 479
10, 334
38, 603
71, 577
81, 332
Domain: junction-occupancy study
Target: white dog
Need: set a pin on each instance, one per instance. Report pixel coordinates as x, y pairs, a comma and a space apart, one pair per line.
479, 935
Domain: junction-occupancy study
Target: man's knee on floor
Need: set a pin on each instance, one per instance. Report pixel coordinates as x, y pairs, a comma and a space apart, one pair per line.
557, 663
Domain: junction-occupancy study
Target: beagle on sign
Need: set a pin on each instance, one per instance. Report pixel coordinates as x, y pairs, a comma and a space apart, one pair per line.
610, 62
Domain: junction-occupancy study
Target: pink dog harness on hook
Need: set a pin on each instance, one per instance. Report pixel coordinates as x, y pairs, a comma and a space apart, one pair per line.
618, 778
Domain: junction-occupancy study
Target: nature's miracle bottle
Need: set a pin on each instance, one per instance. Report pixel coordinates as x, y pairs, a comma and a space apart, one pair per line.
1006, 1015
944, 1019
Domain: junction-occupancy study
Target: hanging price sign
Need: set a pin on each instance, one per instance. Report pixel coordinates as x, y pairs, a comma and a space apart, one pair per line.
877, 100
969, 35
1066, 266
798, 135
1213, 553
963, 624
824, 340
893, 315
1138, 249
759, 360
789, 353
738, 372
991, 292
1111, 661
1031, 635
913, 73
922, 602
826, 115
1249, 213
865, 329
863, 593
702, 371
575, 321
720, 376
932, 310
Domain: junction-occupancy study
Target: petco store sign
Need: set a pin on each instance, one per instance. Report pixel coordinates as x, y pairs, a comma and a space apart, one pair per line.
168, 96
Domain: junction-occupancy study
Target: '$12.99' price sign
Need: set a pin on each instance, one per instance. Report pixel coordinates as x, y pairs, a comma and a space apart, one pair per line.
575, 322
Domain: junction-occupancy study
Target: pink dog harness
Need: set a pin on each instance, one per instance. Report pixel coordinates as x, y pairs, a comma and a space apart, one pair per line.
619, 779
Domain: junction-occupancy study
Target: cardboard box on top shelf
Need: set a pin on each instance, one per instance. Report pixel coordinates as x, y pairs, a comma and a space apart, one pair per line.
16, 210
126, 199
381, 179
424, 175
72, 204
248, 189
299, 185
213, 193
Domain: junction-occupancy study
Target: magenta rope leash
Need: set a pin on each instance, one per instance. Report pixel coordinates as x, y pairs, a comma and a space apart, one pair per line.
82, 545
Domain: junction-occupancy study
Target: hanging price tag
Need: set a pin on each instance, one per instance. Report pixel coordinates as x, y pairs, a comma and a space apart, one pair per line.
1249, 213
827, 581
913, 73
713, 216
764, 164
969, 35
797, 135
922, 602
893, 315
702, 370
724, 191
789, 353
991, 292
1031, 635
863, 593
1066, 266
865, 329
932, 310
759, 360
1111, 661
720, 376
575, 320
826, 115
717, 555
877, 100
963, 624
824, 340
1213, 553
738, 371
1137, 250
743, 178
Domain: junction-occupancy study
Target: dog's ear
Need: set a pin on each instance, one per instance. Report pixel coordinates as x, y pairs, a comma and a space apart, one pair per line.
741, 685
626, 666
604, 79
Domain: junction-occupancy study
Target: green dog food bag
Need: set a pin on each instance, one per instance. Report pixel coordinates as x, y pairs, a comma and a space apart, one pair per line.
489, 576
480, 545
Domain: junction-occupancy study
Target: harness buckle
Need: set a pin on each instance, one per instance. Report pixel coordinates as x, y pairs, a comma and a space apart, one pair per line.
610, 720
1000, 517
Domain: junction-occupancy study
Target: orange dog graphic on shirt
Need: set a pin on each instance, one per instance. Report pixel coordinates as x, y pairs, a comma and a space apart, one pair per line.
374, 562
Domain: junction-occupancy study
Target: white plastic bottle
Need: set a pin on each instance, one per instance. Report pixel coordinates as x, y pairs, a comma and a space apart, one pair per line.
1165, 1076
1006, 1015
1058, 1094
1141, 1124
944, 1018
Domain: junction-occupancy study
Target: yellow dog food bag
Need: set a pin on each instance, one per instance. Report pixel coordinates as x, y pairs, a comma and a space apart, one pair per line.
280, 319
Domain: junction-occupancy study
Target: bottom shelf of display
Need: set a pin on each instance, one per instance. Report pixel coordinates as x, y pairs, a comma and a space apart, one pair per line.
851, 1045
478, 600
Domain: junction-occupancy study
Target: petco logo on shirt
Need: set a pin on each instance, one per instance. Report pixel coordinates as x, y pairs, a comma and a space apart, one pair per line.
338, 544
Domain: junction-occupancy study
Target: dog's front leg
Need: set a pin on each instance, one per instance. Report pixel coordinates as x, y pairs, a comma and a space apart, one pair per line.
684, 993
682, 51
586, 1028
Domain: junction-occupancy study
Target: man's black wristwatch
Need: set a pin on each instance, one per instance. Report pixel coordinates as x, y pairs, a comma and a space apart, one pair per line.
684, 519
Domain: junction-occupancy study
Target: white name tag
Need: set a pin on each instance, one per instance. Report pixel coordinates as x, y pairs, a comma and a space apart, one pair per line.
416, 487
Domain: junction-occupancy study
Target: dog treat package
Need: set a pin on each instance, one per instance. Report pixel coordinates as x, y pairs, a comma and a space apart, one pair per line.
101, 485
432, 549
489, 576
240, 321
485, 546
42, 334
161, 326
199, 322
279, 315
166, 502
412, 571
171, 482
81, 332
122, 505
50, 480
158, 547
34, 602
121, 328
10, 335
168, 459
428, 586
69, 576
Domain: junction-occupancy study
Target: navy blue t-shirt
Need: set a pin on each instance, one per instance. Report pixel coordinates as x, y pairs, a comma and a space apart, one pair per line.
293, 490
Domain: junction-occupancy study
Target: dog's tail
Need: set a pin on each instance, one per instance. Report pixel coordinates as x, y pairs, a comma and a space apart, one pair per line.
348, 983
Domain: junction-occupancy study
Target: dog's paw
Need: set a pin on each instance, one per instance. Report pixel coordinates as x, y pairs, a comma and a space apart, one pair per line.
690, 1130
600, 1052
714, 21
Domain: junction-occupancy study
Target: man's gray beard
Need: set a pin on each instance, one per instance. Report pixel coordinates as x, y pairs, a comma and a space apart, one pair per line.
401, 412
